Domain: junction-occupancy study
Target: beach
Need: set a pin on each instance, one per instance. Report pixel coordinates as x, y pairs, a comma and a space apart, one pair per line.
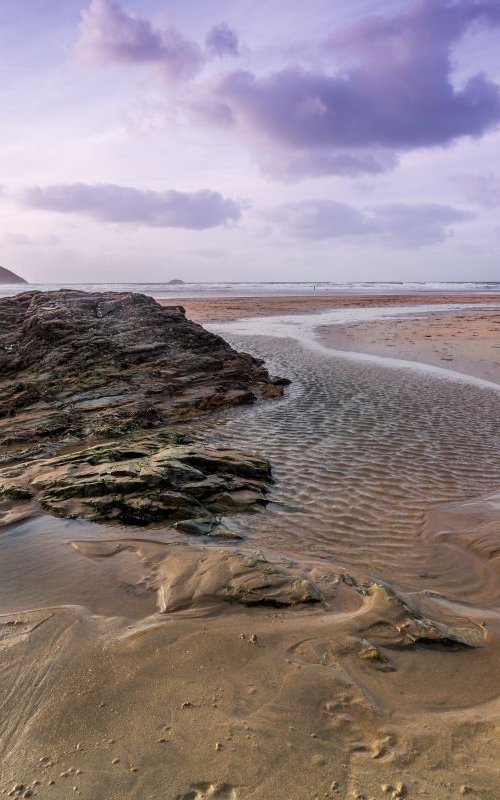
364, 664
466, 341
224, 309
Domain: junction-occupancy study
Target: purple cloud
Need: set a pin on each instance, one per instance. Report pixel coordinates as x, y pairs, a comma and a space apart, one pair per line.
398, 224
123, 204
484, 190
223, 41
389, 88
289, 165
108, 35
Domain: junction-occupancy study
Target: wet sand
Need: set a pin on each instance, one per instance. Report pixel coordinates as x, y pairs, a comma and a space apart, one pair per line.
382, 479
225, 309
467, 341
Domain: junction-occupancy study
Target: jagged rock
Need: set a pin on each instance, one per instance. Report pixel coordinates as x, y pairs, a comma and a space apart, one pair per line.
141, 481
86, 364
76, 367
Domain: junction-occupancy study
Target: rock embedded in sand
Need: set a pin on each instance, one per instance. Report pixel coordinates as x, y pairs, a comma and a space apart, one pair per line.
191, 576
142, 482
405, 625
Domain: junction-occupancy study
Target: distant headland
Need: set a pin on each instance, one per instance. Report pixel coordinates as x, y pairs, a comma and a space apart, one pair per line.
7, 276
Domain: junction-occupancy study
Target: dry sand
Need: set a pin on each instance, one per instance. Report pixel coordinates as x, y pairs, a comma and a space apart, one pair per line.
263, 703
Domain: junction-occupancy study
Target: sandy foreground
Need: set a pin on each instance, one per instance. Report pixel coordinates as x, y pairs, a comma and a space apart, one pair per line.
264, 703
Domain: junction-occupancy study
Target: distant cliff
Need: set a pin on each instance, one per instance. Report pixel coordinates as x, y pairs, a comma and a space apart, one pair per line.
6, 276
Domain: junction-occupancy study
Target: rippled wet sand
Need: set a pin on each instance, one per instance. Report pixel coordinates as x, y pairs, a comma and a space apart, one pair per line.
361, 455
380, 471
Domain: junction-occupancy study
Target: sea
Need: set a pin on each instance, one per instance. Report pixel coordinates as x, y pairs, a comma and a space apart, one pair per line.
253, 288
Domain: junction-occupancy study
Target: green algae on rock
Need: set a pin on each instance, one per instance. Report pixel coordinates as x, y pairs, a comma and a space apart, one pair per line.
140, 483
77, 367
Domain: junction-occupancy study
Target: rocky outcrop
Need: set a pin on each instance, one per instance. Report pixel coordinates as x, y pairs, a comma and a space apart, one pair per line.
7, 276
77, 367
140, 482
100, 365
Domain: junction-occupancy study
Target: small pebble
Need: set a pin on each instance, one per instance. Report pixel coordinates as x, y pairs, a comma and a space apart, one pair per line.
28, 793
464, 789
51, 783
253, 638
44, 759
218, 745
116, 761
64, 774
78, 772
386, 787
187, 704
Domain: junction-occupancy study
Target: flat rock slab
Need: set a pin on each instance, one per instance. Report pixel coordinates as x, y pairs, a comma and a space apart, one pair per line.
141, 482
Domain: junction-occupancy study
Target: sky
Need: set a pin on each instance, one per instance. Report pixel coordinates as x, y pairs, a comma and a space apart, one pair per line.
250, 140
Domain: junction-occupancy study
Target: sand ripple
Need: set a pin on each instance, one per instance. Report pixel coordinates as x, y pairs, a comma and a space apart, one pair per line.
361, 455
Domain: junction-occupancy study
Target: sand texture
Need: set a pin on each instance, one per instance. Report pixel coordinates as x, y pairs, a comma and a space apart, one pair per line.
339, 638
223, 309
467, 341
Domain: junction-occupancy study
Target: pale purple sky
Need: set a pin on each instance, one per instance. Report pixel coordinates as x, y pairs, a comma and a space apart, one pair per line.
143, 140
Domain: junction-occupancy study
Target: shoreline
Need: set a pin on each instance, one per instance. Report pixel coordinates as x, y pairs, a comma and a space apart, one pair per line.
229, 309
465, 341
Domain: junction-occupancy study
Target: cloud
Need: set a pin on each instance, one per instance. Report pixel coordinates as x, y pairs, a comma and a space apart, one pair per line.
127, 205
484, 190
223, 41
22, 240
351, 104
388, 88
293, 165
108, 35
397, 224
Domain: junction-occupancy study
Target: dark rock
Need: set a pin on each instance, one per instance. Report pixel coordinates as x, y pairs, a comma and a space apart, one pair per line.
100, 365
143, 482
77, 367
